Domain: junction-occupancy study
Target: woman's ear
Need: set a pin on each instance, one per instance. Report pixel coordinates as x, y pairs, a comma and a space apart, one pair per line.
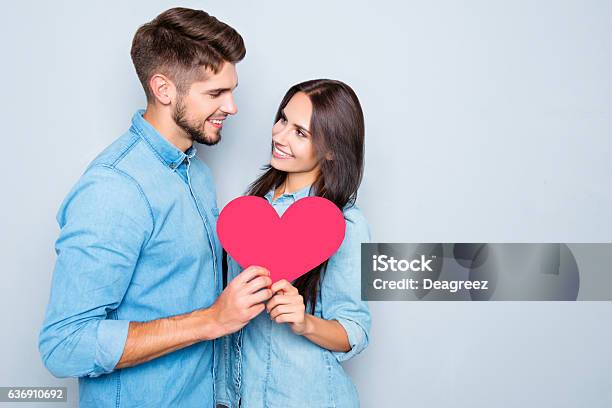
329, 156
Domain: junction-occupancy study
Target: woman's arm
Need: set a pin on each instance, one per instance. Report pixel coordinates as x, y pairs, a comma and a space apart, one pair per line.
287, 306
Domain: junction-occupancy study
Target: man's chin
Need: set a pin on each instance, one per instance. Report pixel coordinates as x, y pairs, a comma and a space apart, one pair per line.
209, 140
209, 137
199, 134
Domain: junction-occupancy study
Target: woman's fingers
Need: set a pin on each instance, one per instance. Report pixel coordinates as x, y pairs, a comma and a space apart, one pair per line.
279, 285
294, 317
283, 300
285, 286
277, 300
294, 309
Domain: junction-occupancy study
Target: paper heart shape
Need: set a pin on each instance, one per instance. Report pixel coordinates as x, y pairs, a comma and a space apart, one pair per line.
309, 232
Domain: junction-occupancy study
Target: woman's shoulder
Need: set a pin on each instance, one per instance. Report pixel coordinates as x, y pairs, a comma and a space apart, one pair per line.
356, 223
352, 213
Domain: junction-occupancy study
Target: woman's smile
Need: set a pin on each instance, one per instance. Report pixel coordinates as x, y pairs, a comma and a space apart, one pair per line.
280, 154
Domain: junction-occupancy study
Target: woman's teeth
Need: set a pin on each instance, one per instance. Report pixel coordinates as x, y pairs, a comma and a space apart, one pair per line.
280, 153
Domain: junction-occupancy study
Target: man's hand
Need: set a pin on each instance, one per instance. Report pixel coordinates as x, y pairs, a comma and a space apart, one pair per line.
238, 303
241, 300
287, 306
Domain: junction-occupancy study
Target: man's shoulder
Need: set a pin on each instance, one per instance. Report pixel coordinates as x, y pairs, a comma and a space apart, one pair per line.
117, 151
131, 156
105, 179
105, 191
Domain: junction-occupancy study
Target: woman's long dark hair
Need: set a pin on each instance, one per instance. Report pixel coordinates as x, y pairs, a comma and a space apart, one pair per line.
338, 133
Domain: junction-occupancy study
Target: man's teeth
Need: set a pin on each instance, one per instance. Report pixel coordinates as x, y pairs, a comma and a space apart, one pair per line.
216, 122
281, 153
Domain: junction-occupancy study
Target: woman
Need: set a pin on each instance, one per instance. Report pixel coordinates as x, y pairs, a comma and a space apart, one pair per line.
290, 356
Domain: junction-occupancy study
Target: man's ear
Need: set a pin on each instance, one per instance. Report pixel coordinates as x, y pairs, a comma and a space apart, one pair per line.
163, 89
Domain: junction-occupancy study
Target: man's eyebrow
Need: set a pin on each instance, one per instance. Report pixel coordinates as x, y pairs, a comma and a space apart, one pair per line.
298, 126
219, 90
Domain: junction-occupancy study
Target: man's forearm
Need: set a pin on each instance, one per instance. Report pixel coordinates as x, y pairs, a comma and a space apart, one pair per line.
239, 302
149, 340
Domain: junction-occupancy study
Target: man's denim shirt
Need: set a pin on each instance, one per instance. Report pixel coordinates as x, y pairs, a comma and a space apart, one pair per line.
266, 365
137, 243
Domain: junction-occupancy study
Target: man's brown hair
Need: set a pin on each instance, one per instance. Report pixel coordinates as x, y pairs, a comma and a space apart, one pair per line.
180, 41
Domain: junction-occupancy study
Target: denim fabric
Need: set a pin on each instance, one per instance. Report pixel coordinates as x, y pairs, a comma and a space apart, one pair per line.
137, 243
266, 365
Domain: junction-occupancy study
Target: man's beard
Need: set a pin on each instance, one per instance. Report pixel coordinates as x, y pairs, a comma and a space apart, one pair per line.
195, 131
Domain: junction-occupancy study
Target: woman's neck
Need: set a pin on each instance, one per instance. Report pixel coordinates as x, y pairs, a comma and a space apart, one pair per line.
294, 182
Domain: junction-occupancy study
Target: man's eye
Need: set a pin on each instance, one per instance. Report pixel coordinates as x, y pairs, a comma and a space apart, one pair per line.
215, 94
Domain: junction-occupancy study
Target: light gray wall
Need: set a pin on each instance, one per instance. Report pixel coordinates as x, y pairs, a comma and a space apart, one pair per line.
487, 121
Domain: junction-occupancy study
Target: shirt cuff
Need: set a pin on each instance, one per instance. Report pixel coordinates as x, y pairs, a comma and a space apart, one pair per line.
110, 342
356, 337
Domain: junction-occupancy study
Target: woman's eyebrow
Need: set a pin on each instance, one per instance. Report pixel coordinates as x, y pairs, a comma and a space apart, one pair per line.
298, 126
303, 128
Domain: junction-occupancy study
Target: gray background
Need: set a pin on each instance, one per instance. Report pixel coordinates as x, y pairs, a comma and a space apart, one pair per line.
487, 121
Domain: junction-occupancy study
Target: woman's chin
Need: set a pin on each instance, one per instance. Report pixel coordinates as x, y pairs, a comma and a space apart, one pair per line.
279, 165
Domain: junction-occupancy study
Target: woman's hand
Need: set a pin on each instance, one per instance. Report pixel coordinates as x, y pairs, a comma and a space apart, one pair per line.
287, 306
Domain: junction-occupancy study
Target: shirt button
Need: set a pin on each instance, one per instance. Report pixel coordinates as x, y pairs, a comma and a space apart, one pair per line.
173, 166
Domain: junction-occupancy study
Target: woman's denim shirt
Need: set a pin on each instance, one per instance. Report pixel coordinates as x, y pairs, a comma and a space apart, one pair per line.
266, 365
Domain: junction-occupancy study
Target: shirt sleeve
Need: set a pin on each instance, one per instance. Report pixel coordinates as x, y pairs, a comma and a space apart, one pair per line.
341, 286
104, 222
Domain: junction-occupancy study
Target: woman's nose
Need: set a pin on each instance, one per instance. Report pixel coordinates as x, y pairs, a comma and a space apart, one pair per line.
282, 136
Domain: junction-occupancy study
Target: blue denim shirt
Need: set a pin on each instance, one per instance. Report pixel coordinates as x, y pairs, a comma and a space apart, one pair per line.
266, 365
137, 243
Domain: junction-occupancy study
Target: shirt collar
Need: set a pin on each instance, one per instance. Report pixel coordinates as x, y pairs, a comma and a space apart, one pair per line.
169, 154
296, 195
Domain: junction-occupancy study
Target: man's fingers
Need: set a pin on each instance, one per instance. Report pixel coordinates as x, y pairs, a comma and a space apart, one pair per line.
256, 284
255, 310
259, 297
250, 273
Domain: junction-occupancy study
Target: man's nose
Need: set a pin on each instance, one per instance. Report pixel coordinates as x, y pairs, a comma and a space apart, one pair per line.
229, 105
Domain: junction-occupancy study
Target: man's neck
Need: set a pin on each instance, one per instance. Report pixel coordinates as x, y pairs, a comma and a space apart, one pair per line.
167, 128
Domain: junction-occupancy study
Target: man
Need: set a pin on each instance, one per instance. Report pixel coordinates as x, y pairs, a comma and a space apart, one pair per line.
136, 297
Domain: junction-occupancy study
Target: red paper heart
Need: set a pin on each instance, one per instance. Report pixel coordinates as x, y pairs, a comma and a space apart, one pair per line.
309, 232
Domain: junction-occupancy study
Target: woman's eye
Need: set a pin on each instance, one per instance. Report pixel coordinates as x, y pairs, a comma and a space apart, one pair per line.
300, 134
